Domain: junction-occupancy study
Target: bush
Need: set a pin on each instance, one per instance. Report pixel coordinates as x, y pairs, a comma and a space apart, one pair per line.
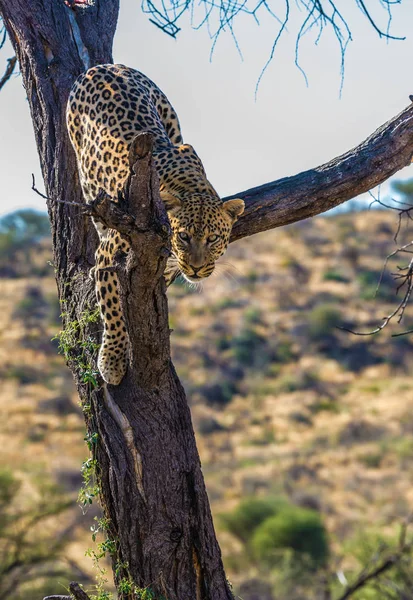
295, 382
283, 351
249, 348
335, 275
360, 432
35, 309
249, 515
20, 232
208, 425
253, 316
218, 394
295, 528
370, 288
25, 375
30, 551
322, 320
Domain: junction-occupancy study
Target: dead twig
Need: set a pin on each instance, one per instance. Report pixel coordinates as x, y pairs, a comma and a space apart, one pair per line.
404, 276
400, 308
369, 574
34, 188
8, 72
103, 209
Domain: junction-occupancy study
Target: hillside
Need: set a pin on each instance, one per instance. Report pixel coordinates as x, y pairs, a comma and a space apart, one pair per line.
285, 405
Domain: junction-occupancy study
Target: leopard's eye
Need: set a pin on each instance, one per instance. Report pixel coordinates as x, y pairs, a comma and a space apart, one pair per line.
212, 238
184, 236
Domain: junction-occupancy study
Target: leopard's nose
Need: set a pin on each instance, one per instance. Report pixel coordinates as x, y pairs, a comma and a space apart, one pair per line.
195, 269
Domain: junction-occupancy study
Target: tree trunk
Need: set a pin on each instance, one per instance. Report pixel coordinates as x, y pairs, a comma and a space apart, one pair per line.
151, 486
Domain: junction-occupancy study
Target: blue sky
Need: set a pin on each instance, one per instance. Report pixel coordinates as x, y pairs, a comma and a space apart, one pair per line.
242, 140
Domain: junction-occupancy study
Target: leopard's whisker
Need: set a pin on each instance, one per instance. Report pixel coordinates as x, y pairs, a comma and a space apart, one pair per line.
225, 269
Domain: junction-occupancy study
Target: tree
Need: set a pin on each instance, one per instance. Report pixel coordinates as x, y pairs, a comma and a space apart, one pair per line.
158, 525
30, 552
19, 232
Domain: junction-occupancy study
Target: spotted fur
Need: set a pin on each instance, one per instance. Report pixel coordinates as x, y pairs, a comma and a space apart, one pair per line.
107, 107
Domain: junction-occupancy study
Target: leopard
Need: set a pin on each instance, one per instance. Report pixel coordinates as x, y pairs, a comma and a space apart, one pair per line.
108, 106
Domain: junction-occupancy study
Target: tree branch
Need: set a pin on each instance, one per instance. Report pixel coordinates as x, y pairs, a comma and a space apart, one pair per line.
369, 573
386, 151
9, 71
77, 591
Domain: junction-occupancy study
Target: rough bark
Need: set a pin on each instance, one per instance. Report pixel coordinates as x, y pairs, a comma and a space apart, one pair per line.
151, 481
150, 471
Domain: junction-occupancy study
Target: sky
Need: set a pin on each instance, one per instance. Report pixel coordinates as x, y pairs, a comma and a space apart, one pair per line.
244, 139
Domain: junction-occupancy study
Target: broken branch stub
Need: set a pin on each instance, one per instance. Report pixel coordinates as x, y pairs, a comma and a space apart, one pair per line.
142, 187
77, 592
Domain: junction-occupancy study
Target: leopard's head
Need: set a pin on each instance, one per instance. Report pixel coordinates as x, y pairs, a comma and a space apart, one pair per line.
201, 227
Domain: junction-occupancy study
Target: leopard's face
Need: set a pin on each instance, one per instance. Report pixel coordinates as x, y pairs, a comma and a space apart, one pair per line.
201, 228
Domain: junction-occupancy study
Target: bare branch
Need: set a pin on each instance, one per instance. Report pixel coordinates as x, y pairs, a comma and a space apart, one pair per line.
369, 573
407, 282
220, 16
9, 71
34, 188
404, 276
3, 33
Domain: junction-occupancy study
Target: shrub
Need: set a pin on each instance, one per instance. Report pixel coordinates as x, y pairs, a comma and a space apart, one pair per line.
359, 432
370, 288
283, 351
253, 315
249, 347
335, 275
294, 382
324, 404
32, 306
371, 460
300, 417
299, 529
21, 233
30, 551
25, 375
208, 425
255, 589
322, 320
218, 393
249, 515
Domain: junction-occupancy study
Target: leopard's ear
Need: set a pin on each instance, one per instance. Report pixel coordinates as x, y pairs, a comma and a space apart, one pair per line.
172, 203
234, 208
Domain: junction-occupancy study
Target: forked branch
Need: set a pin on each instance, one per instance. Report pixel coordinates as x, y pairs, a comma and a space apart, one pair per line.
403, 276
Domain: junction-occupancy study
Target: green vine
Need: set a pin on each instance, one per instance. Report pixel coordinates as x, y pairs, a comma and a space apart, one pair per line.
103, 548
78, 350
90, 488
